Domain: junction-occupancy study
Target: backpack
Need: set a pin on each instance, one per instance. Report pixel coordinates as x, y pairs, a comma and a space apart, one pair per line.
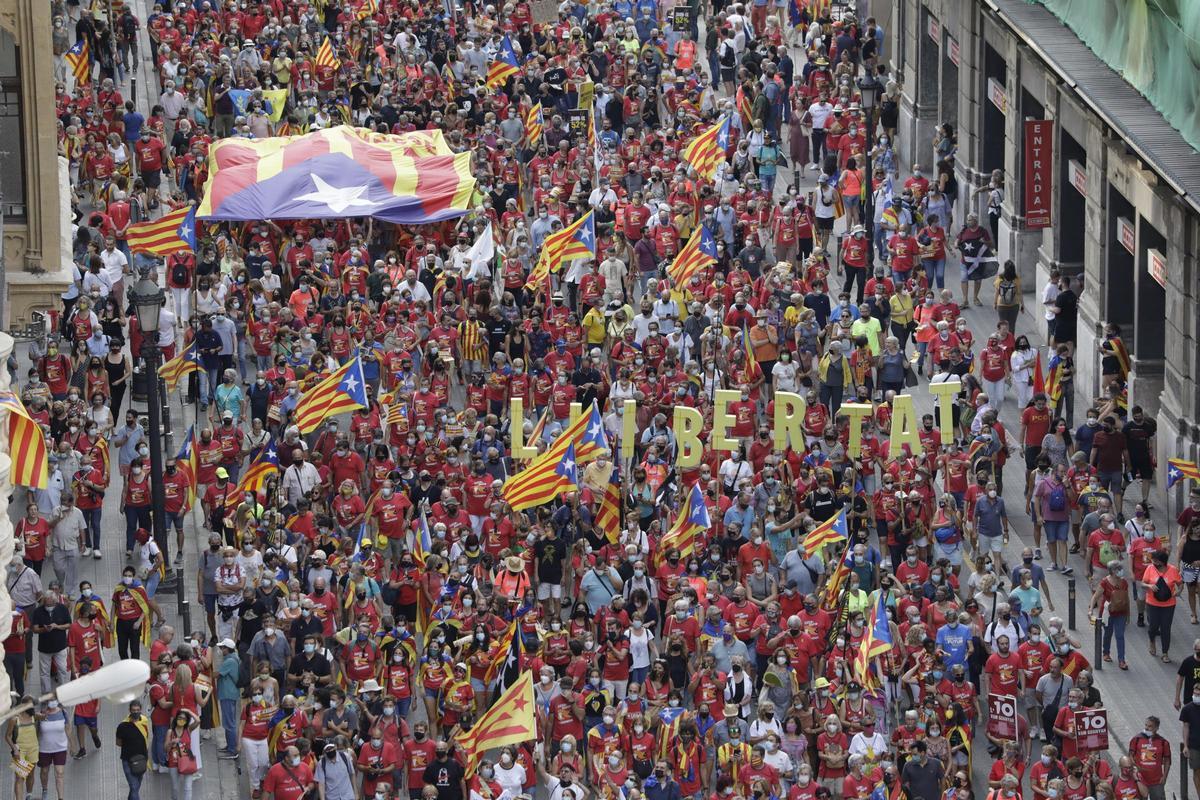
1057, 500
179, 274
728, 55
1008, 293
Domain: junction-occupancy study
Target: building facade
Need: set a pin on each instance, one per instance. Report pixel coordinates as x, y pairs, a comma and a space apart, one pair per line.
34, 184
1097, 184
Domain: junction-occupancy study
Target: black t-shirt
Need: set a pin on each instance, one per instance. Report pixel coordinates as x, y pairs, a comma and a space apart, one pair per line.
133, 743
1190, 714
317, 664
1138, 436
447, 777
550, 555
252, 615
1189, 670
1068, 313
53, 641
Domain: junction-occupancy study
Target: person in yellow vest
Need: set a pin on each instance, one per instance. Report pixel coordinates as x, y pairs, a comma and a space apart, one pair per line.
833, 370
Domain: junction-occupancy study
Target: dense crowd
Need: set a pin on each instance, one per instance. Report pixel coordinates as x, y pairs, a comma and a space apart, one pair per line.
355, 607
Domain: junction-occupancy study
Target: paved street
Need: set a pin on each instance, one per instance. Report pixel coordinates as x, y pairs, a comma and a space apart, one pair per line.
1147, 687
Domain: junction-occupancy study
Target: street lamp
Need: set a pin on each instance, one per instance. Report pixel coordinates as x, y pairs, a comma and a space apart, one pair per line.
148, 300
120, 682
868, 93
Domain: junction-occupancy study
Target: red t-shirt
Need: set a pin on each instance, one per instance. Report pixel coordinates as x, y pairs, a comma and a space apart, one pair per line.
288, 782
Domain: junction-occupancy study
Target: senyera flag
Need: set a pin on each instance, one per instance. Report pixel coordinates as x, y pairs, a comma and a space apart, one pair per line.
26, 445
411, 178
707, 151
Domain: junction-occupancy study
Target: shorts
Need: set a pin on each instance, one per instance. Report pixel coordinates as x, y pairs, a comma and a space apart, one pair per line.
210, 603
57, 759
951, 552
1056, 530
1141, 469
547, 590
1193, 758
1190, 574
1111, 481
992, 544
1032, 451
89, 722
152, 178
825, 224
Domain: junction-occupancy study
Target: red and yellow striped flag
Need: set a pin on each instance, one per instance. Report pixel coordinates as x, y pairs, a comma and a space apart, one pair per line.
535, 123
169, 234
509, 721
326, 57
608, 515
707, 151
26, 445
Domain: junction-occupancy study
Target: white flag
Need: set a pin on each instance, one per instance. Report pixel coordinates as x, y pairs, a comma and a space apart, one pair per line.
483, 252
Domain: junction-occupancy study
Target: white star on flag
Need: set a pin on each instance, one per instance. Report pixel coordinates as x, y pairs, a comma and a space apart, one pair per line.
185, 232
337, 198
350, 384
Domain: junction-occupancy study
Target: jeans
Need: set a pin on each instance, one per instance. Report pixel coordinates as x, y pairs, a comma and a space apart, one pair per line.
181, 785
14, 665
935, 272
91, 518
229, 721
134, 781
158, 745
129, 637
210, 379
1158, 623
135, 518
818, 145
152, 581
1116, 625
768, 182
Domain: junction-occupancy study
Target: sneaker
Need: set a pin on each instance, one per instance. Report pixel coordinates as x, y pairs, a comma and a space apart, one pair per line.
1068, 570
79, 755
1037, 554
96, 554
1074, 549
87, 551
1141, 622
224, 756
1052, 568
1033, 733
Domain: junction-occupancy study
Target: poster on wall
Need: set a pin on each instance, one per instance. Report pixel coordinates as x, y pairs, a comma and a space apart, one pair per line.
1039, 172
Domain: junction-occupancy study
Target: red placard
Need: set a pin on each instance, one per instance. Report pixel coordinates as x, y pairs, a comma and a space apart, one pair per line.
1127, 235
1156, 263
1039, 171
1091, 730
1002, 716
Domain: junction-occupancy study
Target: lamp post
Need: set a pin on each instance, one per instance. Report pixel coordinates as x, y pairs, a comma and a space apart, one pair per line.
148, 300
868, 93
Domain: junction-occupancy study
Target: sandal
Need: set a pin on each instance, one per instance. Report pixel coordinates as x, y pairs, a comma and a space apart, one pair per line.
1123, 665
1153, 650
1194, 620
1107, 659
1166, 659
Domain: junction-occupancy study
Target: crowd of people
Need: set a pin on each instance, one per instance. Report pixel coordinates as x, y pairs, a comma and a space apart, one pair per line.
355, 606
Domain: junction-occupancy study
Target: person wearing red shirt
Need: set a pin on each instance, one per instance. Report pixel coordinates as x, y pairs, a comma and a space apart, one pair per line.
291, 778
1035, 655
1035, 424
903, 247
149, 153
854, 261
1151, 755
1003, 669
377, 760
1064, 724
33, 532
635, 217
85, 640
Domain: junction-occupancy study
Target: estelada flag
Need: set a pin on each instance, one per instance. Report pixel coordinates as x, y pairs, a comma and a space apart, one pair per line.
693, 518
1180, 468
585, 435
535, 123
186, 362
344, 390
830, 531
410, 178
510, 720
170, 234
504, 66
577, 240
707, 151
26, 444
608, 515
699, 252
548, 475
